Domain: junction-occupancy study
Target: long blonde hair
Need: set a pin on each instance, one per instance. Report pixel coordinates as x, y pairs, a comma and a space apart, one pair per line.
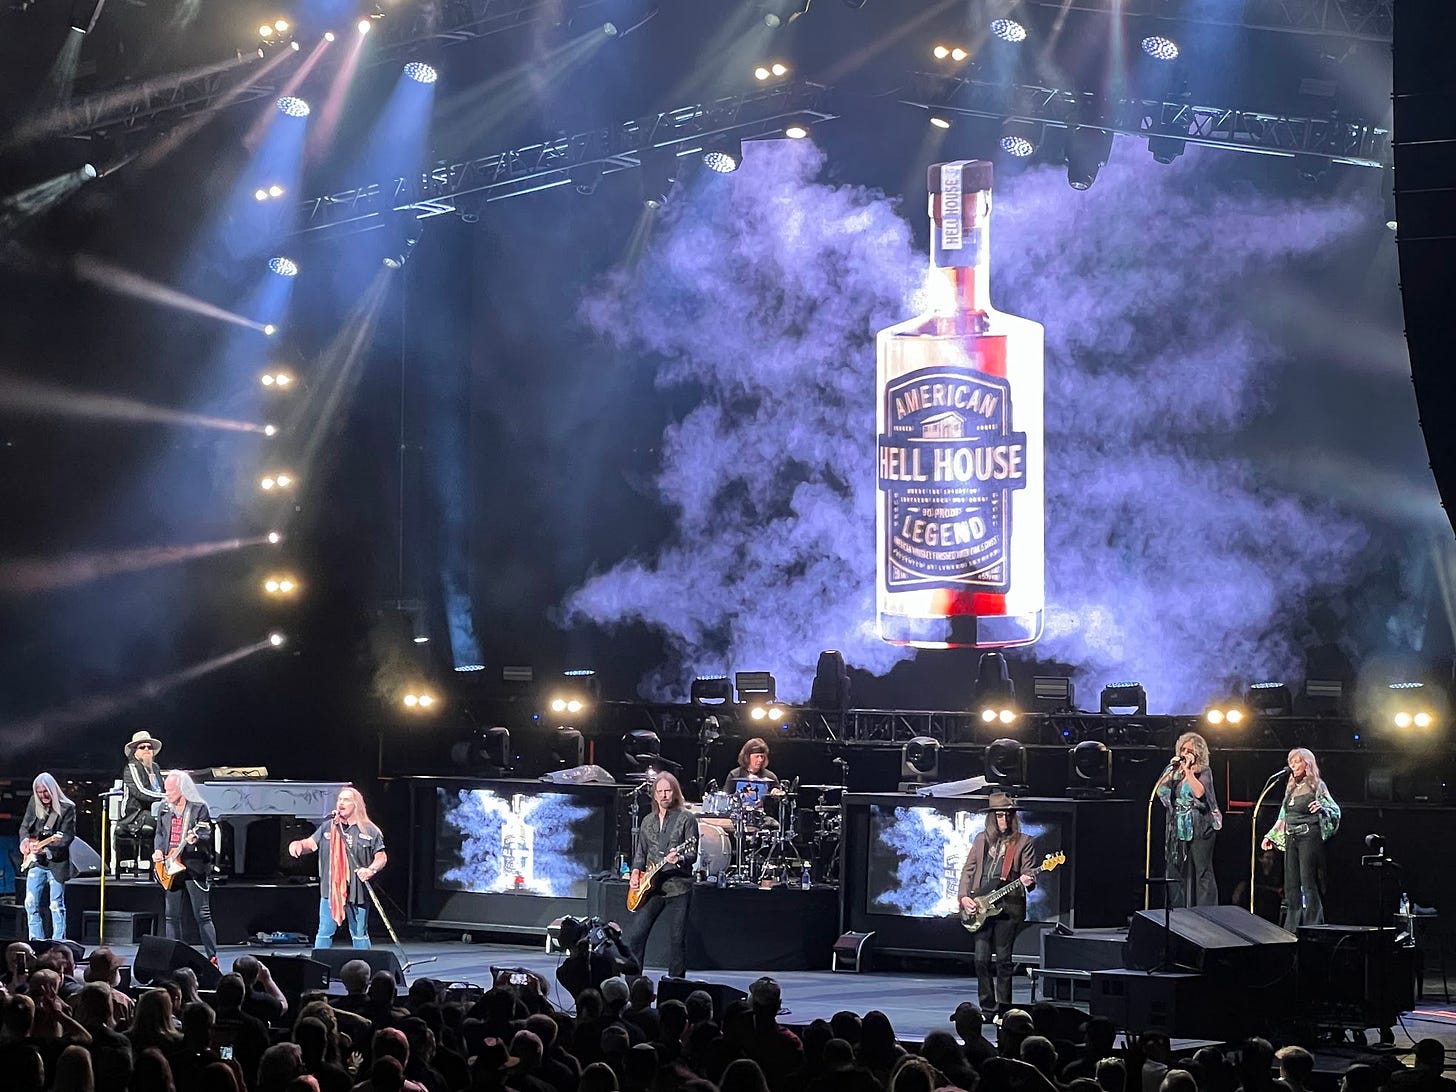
361, 811
1311, 770
1200, 747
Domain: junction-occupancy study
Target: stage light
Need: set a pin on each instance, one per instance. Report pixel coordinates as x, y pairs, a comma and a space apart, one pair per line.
281, 26
958, 54
1423, 720
1089, 769
260, 195
724, 155
270, 430
267, 483
275, 190
778, 68
274, 538
1224, 713
1017, 145
277, 380
642, 747
1124, 699
1008, 30
265, 31
711, 690
328, 35
796, 132
994, 694
1402, 719
1053, 693
284, 481
1269, 699
830, 689
920, 759
1087, 153
1006, 762
761, 72
419, 701
411, 700
1006, 716
292, 106
270, 482
658, 175
940, 52
1160, 48
280, 585
284, 267
421, 72
610, 29
293, 45
939, 122
269, 329
364, 26
276, 639
758, 712
567, 705
568, 749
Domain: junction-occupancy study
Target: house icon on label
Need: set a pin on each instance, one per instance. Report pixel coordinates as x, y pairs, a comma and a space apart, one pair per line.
943, 426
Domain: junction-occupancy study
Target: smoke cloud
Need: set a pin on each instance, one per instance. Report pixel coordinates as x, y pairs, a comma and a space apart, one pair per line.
1172, 557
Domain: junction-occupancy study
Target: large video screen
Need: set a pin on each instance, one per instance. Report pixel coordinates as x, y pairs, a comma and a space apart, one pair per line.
916, 853
540, 844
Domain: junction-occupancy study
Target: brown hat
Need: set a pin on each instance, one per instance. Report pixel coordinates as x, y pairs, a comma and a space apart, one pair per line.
1001, 802
494, 1054
142, 737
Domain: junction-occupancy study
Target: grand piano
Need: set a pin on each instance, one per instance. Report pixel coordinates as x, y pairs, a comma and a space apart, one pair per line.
240, 796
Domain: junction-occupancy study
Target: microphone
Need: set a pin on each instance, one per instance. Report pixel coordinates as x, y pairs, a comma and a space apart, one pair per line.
1282, 773
1175, 763
713, 786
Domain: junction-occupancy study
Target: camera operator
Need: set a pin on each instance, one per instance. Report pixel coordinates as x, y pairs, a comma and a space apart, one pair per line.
595, 953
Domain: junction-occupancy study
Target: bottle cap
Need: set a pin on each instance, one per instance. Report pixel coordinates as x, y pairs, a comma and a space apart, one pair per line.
975, 175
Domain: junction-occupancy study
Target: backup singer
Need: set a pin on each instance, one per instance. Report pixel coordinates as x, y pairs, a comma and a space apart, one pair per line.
669, 834
47, 831
998, 853
1307, 818
1186, 790
185, 827
353, 854
753, 763
142, 788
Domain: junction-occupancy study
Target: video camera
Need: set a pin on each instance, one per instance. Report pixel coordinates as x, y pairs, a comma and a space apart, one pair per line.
595, 953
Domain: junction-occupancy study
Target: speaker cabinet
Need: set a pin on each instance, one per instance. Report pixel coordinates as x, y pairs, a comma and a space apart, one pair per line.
379, 959
1223, 941
158, 957
1355, 975
677, 989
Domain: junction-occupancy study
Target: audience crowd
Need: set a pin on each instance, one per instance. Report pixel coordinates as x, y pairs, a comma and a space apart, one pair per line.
82, 1031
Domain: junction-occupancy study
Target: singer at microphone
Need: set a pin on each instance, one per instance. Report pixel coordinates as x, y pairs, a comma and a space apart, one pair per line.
1308, 816
1193, 821
350, 848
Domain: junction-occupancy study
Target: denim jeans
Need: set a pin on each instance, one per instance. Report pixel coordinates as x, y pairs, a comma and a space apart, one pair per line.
38, 882
356, 916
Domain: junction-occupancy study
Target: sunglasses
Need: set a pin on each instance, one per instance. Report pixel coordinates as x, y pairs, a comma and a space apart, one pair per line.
143, 746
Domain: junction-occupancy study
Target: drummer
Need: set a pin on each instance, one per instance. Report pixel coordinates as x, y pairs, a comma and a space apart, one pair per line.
753, 766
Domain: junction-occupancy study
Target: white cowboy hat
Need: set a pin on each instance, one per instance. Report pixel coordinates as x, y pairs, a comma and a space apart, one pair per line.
142, 737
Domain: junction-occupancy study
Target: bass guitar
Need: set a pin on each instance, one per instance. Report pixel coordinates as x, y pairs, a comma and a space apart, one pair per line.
990, 904
650, 877
31, 858
170, 867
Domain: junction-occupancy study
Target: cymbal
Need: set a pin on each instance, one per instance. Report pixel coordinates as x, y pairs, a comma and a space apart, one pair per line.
821, 788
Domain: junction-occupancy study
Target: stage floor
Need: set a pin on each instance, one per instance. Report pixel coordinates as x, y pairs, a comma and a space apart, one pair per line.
915, 1003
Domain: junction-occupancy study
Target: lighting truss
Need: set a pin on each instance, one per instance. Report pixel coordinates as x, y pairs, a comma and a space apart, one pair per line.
1365, 20
1338, 140
500, 175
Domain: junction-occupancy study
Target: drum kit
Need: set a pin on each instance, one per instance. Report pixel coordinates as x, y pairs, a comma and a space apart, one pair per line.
757, 838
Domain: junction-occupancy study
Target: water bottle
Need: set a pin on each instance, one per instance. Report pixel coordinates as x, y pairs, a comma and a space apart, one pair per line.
1404, 909
723, 879
806, 881
623, 868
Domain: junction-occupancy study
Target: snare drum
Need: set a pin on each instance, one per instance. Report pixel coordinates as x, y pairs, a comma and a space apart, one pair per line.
718, 803
715, 848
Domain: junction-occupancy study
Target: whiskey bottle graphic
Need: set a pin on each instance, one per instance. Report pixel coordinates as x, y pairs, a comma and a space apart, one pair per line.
960, 508
517, 845
956, 848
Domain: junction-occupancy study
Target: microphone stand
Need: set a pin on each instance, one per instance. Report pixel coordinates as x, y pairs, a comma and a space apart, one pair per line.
1148, 850
1254, 837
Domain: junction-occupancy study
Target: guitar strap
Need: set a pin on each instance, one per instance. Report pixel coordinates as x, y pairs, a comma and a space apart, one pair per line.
1007, 861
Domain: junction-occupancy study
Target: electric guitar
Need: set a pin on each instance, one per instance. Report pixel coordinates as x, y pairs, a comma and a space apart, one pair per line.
31, 858
170, 867
649, 878
990, 903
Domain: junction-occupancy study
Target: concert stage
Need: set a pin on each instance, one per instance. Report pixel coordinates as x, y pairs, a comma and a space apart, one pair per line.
240, 908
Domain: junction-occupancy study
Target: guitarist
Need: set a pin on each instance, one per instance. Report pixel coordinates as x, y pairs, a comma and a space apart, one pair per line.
669, 825
997, 854
49, 815
185, 828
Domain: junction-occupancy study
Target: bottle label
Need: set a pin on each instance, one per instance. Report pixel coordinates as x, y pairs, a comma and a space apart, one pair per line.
948, 465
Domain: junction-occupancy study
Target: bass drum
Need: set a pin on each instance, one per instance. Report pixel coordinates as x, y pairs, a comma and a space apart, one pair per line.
715, 848
719, 804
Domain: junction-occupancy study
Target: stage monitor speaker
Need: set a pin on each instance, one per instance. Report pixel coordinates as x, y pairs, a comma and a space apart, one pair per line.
295, 975
1217, 940
379, 959
1355, 975
677, 989
158, 957
1178, 1005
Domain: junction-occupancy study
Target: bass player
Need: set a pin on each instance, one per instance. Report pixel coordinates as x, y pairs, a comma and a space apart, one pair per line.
184, 837
999, 852
668, 836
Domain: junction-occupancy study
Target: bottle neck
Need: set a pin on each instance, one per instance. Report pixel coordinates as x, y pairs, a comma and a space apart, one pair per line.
960, 254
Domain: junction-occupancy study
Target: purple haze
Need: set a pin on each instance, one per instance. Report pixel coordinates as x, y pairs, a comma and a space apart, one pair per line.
1168, 559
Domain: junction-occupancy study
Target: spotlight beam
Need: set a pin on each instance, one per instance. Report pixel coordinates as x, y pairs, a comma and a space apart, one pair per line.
28, 576
20, 735
42, 399
126, 283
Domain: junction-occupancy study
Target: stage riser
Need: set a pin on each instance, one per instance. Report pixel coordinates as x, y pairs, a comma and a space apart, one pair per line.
238, 910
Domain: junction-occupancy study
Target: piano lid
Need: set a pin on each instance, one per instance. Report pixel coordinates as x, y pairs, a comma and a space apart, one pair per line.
302, 799
231, 773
